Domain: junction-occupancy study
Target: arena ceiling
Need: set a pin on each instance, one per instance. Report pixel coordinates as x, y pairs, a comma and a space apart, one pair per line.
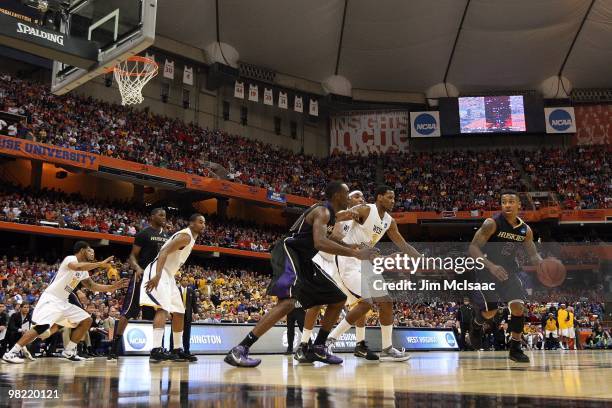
408, 45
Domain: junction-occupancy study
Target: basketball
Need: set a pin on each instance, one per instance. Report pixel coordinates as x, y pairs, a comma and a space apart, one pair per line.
551, 272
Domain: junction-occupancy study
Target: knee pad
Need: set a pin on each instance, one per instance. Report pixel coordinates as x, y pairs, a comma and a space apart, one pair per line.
41, 328
516, 324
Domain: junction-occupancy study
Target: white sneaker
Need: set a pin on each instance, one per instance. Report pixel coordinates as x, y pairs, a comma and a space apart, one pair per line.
26, 354
12, 358
72, 355
393, 354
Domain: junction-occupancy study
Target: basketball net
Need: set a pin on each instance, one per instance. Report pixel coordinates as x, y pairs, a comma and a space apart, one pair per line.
132, 75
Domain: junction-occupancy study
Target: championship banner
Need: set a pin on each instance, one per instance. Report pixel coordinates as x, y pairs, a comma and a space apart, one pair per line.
253, 93
169, 69
365, 133
593, 125
282, 100
560, 120
314, 107
425, 124
188, 76
39, 151
267, 99
239, 90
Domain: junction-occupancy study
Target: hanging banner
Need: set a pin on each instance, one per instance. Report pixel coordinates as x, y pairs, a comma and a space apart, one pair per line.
364, 133
268, 100
253, 93
282, 100
298, 105
188, 76
239, 90
425, 124
314, 107
593, 125
169, 69
560, 120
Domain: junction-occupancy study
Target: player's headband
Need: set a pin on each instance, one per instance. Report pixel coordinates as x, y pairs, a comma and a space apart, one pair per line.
352, 193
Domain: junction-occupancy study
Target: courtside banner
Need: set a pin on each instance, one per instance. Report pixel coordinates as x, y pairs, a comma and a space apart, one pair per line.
54, 154
425, 124
372, 132
220, 338
560, 120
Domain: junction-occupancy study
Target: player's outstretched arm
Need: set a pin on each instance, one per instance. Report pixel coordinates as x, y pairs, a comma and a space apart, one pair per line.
88, 266
396, 237
179, 242
320, 218
96, 287
531, 249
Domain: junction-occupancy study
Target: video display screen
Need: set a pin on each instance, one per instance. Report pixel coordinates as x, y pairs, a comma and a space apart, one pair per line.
492, 114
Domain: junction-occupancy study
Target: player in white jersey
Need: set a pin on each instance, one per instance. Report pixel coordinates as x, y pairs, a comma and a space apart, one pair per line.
374, 221
53, 308
159, 290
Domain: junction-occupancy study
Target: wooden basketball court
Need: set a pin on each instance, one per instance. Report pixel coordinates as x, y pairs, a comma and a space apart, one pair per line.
553, 378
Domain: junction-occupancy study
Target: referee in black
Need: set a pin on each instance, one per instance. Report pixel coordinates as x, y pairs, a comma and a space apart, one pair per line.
146, 247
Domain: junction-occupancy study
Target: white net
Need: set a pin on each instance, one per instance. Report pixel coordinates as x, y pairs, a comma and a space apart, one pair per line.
131, 76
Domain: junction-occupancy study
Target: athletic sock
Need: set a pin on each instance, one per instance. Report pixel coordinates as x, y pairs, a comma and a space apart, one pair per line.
16, 349
71, 346
340, 329
386, 333
249, 340
177, 339
360, 334
306, 334
321, 337
158, 337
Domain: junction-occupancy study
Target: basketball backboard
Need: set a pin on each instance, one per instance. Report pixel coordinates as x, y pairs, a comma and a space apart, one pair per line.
119, 28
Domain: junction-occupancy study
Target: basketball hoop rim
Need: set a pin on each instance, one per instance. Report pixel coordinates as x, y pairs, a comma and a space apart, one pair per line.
136, 58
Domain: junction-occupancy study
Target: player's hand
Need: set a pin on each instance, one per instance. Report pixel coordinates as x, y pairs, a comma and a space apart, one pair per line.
108, 261
122, 283
499, 272
152, 283
138, 274
366, 254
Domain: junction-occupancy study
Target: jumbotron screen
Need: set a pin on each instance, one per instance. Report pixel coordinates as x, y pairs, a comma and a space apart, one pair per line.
492, 114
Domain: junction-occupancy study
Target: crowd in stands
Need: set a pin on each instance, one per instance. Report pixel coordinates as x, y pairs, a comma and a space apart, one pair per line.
72, 211
432, 181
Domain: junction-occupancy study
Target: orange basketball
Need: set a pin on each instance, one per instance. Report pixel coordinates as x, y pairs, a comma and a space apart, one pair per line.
551, 272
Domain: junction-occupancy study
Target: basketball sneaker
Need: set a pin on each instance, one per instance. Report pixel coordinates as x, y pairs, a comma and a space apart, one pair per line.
301, 354
72, 355
239, 357
393, 354
516, 353
362, 351
319, 352
12, 358
181, 355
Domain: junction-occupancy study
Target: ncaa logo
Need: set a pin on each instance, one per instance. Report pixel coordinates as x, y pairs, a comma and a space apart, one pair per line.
560, 120
450, 339
425, 124
136, 339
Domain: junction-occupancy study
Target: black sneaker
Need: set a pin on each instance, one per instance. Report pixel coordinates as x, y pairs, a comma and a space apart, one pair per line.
180, 355
362, 351
289, 352
158, 355
516, 353
302, 354
192, 357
